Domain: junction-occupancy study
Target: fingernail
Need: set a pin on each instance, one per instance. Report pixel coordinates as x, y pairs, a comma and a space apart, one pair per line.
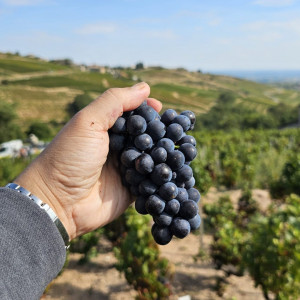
139, 86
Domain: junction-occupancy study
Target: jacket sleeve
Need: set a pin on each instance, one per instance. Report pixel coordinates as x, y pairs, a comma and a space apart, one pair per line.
32, 251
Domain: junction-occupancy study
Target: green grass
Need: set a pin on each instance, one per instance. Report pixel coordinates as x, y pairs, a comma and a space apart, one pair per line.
27, 66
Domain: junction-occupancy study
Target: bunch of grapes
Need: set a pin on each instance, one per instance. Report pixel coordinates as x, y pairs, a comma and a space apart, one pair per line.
155, 153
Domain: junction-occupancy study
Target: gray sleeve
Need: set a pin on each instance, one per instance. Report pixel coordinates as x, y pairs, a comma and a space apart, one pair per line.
32, 251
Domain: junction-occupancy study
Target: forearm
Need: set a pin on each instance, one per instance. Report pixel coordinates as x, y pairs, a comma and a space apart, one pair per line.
32, 251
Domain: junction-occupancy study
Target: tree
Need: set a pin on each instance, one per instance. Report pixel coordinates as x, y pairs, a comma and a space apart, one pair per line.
139, 66
79, 102
9, 129
40, 129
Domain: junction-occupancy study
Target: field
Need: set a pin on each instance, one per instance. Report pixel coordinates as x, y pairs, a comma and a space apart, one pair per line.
249, 179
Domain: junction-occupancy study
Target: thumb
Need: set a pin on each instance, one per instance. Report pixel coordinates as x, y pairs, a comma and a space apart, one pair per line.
111, 104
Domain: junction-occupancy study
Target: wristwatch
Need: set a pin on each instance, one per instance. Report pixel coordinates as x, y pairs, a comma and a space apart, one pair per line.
46, 208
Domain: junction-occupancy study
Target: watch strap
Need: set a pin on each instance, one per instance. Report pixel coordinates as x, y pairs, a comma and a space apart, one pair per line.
46, 208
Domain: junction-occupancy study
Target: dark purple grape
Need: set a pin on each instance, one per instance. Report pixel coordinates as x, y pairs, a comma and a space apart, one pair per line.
147, 187
136, 125
190, 183
140, 205
156, 129
180, 227
143, 142
174, 132
168, 116
191, 116
195, 222
144, 164
168, 191
163, 219
119, 126
128, 157
172, 207
159, 154
161, 235
175, 159
184, 174
146, 111
133, 177
127, 114
161, 174
134, 190
188, 209
182, 195
189, 139
189, 151
155, 205
116, 142
167, 144
194, 194
184, 121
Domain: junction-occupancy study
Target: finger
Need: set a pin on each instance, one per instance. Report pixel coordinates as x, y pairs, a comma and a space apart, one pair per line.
110, 105
157, 105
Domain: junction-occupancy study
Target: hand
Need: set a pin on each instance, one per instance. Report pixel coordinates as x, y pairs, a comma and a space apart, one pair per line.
75, 174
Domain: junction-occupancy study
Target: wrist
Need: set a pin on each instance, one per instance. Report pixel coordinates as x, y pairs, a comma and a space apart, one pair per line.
39, 188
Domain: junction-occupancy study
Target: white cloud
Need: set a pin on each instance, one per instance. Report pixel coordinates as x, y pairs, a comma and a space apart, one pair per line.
275, 3
22, 2
97, 28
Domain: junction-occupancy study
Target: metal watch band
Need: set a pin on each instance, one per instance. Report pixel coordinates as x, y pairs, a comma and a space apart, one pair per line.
45, 207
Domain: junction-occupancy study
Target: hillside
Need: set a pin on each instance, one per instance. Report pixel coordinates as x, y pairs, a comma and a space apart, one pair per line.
42, 90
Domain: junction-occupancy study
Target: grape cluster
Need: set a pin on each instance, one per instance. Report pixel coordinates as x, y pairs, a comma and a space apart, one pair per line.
155, 153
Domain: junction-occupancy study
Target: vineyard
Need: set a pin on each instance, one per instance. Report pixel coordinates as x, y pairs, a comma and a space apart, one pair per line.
246, 248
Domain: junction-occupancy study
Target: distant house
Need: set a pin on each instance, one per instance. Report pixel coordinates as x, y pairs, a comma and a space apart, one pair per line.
97, 69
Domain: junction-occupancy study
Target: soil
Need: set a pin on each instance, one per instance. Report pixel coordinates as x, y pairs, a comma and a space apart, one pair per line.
193, 276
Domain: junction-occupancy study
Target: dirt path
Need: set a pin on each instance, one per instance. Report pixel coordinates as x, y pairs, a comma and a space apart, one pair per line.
99, 279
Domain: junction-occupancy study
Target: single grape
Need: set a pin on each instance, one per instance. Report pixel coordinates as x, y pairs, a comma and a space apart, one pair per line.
161, 174
127, 114
119, 126
184, 174
172, 207
168, 116
194, 194
133, 177
182, 195
134, 190
128, 156
143, 141
191, 116
144, 164
184, 121
190, 183
175, 159
161, 235
189, 139
168, 191
155, 205
159, 154
163, 219
116, 142
189, 151
167, 144
140, 205
180, 227
188, 209
174, 132
146, 111
136, 125
156, 129
147, 187
195, 222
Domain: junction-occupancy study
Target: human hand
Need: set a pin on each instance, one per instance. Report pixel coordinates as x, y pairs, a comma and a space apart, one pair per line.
75, 174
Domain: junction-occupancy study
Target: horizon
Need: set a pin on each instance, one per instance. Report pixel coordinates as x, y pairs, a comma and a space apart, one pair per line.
214, 36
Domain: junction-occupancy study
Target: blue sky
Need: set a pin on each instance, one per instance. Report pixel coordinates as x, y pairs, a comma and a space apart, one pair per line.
206, 35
